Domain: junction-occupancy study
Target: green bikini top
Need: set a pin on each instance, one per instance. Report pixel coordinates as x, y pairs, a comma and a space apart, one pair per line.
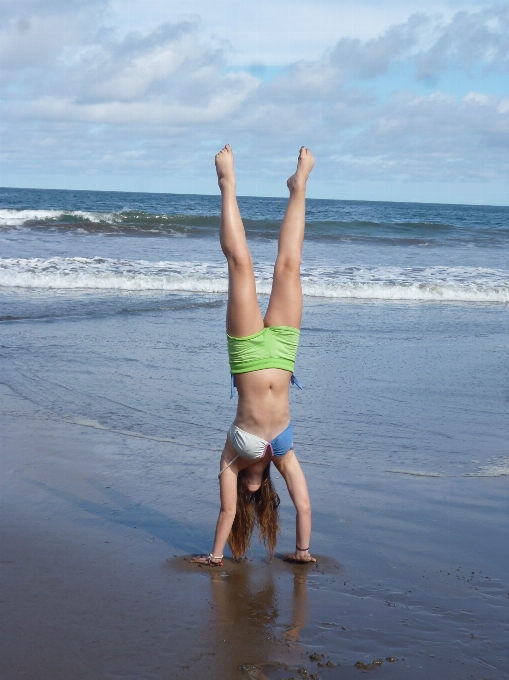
272, 347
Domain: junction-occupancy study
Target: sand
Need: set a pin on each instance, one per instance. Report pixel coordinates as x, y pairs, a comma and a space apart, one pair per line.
96, 584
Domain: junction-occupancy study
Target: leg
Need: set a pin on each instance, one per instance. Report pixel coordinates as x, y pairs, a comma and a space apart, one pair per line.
285, 304
243, 316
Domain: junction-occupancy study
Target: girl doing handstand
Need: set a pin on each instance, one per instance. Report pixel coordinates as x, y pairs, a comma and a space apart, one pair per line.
262, 354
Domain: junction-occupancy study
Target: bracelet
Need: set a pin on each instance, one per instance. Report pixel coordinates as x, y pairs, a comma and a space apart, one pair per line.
302, 549
215, 557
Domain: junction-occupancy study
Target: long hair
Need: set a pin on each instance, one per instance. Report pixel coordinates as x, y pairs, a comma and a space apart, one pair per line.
260, 507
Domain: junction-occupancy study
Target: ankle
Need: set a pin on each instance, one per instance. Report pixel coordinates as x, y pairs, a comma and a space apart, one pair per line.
226, 185
297, 187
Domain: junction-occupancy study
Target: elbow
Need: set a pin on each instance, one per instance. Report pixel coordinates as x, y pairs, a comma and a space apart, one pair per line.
227, 513
304, 509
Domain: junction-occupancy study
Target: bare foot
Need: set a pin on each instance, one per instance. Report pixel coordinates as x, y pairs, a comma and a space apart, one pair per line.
207, 560
304, 166
224, 168
300, 557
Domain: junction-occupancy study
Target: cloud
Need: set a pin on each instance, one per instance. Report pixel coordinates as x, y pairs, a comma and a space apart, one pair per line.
165, 76
373, 57
462, 141
35, 33
142, 65
470, 40
157, 111
90, 99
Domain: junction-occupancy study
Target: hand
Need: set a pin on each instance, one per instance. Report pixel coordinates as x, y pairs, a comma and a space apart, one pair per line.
300, 557
207, 560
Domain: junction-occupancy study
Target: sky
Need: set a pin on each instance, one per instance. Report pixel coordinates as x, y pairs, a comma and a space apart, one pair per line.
398, 99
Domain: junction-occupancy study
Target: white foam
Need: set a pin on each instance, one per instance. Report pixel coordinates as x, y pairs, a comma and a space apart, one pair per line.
463, 284
411, 291
16, 218
86, 422
500, 468
108, 274
415, 473
175, 283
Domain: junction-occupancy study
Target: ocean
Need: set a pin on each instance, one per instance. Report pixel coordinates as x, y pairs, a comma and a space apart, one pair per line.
61, 240
115, 406
112, 309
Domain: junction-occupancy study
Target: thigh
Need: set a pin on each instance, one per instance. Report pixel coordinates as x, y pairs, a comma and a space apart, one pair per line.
285, 304
243, 315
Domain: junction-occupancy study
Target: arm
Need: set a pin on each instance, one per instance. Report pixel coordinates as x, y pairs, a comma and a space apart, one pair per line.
291, 471
228, 498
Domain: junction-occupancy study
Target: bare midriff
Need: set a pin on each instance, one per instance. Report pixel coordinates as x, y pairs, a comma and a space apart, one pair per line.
264, 406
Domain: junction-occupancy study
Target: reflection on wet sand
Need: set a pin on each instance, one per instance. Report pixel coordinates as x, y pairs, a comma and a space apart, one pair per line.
258, 619
300, 604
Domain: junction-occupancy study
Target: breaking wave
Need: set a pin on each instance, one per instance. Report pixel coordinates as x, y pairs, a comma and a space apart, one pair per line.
123, 222
462, 284
346, 225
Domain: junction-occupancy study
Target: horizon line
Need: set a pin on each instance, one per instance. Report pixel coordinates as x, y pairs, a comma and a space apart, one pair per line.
309, 198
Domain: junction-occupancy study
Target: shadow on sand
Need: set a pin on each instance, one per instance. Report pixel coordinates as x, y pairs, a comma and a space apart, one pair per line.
119, 509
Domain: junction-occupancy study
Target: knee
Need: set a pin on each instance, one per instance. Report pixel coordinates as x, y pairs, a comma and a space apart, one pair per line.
239, 259
289, 264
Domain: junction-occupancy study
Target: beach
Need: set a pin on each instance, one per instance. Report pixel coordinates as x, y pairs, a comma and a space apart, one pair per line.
115, 406
96, 583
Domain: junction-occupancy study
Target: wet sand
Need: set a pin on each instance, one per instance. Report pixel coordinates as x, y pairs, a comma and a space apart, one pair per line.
96, 582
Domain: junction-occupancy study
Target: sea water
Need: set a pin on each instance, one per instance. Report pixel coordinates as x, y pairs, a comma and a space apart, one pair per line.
112, 309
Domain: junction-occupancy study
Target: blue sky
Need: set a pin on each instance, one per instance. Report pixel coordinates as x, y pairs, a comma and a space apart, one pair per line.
398, 100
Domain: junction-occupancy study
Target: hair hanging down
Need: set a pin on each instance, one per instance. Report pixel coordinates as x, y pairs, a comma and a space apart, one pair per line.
259, 507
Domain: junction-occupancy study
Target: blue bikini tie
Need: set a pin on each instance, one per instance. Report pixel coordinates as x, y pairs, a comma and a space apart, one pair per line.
294, 381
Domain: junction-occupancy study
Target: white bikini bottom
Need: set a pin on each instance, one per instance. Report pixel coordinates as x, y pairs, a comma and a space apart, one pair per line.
251, 447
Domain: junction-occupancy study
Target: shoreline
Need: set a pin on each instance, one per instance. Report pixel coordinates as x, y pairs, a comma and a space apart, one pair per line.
94, 537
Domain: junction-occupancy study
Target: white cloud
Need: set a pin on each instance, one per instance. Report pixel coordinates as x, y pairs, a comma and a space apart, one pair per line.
284, 31
151, 112
33, 33
459, 141
470, 40
160, 99
478, 97
371, 58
